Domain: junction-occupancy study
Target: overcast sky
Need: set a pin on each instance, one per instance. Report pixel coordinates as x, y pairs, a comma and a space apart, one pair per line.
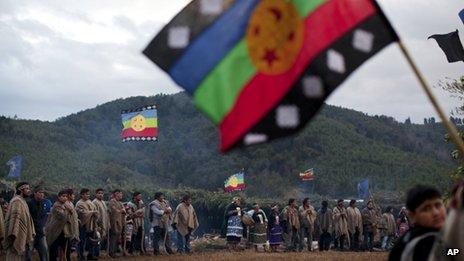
59, 57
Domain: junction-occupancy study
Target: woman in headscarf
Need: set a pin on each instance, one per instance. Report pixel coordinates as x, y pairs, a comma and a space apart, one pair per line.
402, 222
275, 230
234, 231
258, 233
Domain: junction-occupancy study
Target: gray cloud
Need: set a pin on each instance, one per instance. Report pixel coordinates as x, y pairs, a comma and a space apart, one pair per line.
59, 57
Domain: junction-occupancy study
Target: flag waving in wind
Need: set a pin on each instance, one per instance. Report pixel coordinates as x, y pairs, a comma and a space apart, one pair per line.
235, 182
307, 175
261, 69
15, 165
363, 189
451, 46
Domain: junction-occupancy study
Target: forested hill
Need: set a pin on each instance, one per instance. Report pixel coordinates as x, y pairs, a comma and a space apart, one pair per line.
343, 146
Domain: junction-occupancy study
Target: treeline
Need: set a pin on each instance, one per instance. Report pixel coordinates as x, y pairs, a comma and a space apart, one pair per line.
342, 145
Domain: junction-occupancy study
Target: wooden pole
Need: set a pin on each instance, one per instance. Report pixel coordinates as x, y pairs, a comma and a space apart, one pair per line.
449, 126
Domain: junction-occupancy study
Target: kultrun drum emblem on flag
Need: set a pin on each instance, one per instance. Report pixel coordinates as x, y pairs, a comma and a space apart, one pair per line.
261, 70
307, 175
140, 124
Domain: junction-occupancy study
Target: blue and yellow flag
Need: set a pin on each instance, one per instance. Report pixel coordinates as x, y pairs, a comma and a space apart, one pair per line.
140, 124
15, 165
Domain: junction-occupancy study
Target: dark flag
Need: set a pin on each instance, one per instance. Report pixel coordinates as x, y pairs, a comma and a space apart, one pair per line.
461, 15
363, 189
260, 70
451, 46
15, 165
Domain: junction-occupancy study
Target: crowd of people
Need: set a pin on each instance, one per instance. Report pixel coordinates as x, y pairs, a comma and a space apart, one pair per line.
91, 227
293, 228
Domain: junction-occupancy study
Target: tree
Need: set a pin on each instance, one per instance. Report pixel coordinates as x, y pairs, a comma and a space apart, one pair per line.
408, 121
425, 121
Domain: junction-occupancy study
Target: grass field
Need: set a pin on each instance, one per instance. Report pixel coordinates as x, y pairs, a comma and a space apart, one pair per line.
251, 255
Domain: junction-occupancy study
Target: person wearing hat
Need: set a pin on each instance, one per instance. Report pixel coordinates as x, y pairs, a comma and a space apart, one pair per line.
39, 217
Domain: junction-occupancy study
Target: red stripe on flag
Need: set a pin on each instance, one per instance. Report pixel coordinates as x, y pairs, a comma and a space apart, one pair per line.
147, 132
263, 92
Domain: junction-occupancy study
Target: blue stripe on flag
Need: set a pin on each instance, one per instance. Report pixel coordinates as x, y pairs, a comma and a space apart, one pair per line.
147, 114
205, 52
461, 14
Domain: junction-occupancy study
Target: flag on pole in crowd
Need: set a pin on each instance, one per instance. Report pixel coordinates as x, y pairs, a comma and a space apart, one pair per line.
461, 15
235, 182
307, 175
15, 165
261, 70
140, 124
451, 46
363, 189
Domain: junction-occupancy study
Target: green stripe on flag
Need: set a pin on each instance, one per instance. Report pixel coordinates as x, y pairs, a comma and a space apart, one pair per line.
304, 7
217, 93
149, 123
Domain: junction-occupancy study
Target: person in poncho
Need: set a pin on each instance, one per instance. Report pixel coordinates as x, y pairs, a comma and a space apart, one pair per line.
275, 229
71, 229
117, 215
138, 230
291, 225
185, 222
103, 220
233, 218
370, 222
307, 216
402, 222
19, 227
387, 228
340, 225
54, 230
324, 225
258, 232
88, 216
354, 220
161, 220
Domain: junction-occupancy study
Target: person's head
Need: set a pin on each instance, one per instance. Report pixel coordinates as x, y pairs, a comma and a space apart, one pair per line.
256, 206
306, 202
324, 204
85, 194
340, 203
70, 194
237, 201
389, 209
353, 203
117, 194
23, 189
425, 207
63, 196
292, 202
137, 196
39, 193
187, 199
99, 193
159, 196
370, 204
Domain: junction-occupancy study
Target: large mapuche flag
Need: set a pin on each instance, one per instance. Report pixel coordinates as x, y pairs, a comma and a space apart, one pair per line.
261, 69
140, 124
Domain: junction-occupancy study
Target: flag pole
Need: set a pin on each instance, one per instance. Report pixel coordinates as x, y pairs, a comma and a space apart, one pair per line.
454, 135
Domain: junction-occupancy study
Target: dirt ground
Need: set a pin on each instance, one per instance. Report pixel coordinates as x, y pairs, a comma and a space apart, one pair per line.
251, 255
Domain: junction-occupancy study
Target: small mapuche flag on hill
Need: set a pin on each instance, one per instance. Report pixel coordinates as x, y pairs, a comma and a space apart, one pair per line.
307, 175
140, 124
262, 69
235, 182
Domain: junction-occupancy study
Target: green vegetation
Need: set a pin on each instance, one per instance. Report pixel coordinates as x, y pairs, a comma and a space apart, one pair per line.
342, 145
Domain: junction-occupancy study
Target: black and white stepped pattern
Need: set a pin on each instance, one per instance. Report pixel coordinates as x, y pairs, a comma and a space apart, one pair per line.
140, 139
144, 108
324, 74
